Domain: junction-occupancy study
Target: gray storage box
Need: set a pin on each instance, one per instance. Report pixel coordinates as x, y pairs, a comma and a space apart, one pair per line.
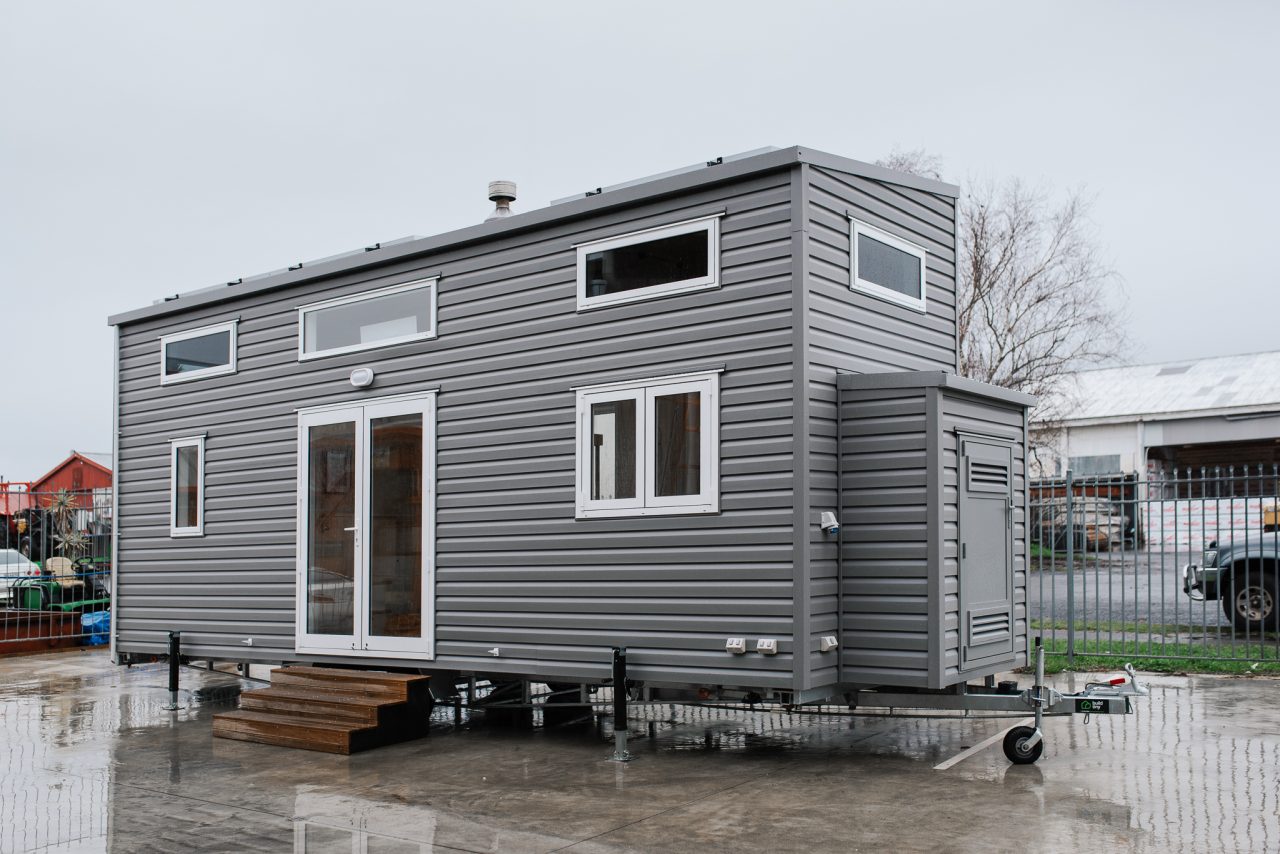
933, 545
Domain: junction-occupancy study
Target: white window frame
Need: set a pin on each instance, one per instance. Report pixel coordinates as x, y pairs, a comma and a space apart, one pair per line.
708, 224
644, 392
431, 282
856, 228
174, 444
201, 373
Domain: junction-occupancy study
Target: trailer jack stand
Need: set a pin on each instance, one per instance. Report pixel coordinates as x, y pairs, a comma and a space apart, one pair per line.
620, 753
1023, 745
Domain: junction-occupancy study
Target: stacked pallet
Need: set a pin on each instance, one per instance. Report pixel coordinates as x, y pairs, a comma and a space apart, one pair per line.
330, 709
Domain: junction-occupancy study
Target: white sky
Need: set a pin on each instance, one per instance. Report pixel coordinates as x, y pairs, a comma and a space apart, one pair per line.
151, 148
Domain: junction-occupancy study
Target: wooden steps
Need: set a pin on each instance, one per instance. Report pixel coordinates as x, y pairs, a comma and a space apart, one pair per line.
331, 709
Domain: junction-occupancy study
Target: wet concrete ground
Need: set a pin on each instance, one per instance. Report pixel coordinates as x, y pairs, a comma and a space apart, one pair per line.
92, 762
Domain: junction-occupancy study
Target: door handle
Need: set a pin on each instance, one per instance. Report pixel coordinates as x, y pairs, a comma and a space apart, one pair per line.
352, 528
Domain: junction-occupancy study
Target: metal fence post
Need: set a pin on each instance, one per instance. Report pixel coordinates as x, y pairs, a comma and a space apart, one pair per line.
1071, 570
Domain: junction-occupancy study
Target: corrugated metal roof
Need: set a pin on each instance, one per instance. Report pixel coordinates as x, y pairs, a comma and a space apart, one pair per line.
1248, 381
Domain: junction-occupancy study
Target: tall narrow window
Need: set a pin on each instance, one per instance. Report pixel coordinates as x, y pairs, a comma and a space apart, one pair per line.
395, 315
186, 487
671, 259
194, 354
885, 266
649, 447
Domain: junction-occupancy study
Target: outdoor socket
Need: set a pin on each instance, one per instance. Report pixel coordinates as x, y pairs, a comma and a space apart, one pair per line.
767, 646
829, 523
828, 643
737, 646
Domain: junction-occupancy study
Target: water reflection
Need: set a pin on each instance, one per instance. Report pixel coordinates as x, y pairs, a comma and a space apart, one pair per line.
90, 761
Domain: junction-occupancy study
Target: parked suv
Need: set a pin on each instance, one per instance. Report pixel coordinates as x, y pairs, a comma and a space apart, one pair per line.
1245, 576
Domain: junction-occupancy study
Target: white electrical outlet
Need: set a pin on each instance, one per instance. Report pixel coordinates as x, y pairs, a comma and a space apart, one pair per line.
767, 646
737, 646
828, 643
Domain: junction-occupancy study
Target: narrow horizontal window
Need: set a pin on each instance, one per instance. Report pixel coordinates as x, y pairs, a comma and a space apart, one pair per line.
649, 447
186, 487
395, 315
647, 264
886, 266
196, 353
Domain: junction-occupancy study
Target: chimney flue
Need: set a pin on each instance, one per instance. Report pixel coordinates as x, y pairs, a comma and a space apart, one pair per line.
502, 194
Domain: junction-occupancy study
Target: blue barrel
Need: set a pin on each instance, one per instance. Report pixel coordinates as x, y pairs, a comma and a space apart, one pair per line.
97, 627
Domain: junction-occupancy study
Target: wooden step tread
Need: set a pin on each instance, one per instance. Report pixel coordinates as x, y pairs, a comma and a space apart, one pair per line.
318, 705
323, 696
286, 730
339, 673
290, 720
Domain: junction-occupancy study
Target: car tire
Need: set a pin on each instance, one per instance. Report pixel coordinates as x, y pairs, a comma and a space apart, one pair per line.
1251, 600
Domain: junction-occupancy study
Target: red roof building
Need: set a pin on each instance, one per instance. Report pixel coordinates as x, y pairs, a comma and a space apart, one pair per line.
77, 473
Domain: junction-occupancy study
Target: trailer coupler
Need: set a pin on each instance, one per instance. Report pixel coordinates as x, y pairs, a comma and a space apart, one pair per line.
1023, 745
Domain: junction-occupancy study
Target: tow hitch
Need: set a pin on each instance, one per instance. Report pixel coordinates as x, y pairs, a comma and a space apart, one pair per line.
1023, 745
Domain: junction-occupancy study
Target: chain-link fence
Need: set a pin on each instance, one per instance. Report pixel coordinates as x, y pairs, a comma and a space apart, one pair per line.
55, 569
1184, 566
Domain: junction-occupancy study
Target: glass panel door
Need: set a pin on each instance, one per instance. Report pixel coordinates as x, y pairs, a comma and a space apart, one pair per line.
365, 501
329, 504
399, 462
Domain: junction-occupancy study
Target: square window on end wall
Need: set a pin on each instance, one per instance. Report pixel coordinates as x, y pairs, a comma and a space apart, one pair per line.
649, 447
886, 267
656, 262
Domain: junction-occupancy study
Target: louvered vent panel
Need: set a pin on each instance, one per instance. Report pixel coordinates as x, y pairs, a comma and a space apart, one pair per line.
988, 477
988, 627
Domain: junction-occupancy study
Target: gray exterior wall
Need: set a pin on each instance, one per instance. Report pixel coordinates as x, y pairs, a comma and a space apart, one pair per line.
900, 609
887, 619
847, 331
514, 568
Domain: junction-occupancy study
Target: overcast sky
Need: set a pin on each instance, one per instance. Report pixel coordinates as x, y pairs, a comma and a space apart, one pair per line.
152, 148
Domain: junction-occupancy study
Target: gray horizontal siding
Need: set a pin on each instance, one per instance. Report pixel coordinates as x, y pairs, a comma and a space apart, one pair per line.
851, 332
514, 569
884, 583
987, 418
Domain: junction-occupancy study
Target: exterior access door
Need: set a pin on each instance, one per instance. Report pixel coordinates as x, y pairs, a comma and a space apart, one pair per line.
986, 549
366, 505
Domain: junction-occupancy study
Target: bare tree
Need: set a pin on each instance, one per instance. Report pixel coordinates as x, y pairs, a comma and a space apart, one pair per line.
1035, 300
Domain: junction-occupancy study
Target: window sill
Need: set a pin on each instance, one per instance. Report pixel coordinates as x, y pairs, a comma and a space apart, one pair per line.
641, 512
204, 373
360, 348
179, 534
659, 291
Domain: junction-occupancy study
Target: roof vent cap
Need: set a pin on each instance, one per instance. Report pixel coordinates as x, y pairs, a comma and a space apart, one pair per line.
502, 194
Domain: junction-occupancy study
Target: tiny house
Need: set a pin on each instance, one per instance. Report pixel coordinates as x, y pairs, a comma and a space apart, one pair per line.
712, 417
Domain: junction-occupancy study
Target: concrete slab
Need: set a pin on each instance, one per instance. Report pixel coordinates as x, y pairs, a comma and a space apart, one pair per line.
91, 762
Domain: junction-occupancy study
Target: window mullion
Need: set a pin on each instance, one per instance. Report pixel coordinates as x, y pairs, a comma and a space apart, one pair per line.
646, 453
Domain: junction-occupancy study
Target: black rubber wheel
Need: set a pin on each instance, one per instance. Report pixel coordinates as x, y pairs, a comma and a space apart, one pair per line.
1015, 748
1251, 599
